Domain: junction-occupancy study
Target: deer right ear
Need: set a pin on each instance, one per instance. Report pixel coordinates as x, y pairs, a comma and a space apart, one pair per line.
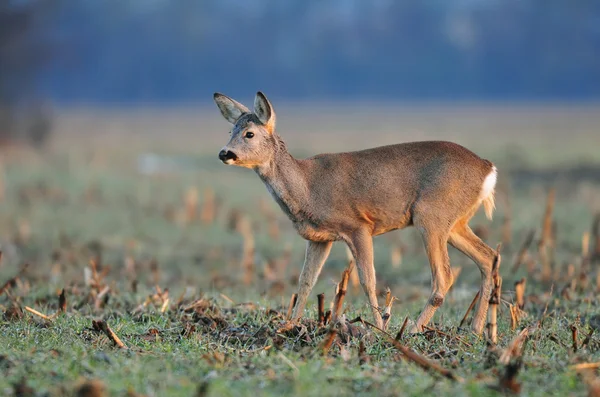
230, 109
264, 111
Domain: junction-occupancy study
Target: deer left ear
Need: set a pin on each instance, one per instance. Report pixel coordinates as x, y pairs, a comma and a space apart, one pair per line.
264, 111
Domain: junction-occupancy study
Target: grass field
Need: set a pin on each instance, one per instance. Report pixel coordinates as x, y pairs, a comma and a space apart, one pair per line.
143, 251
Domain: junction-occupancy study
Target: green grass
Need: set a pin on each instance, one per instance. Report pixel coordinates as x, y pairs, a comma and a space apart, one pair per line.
60, 205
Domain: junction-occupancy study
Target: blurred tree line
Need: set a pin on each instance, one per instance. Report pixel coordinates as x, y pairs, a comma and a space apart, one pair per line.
128, 51
177, 50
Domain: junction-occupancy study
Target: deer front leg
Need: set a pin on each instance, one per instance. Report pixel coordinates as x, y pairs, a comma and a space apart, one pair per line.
316, 254
361, 246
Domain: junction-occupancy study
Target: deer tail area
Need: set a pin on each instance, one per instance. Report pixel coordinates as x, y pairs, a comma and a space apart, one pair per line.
488, 191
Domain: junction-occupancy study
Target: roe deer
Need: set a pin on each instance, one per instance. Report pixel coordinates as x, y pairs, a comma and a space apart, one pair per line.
436, 186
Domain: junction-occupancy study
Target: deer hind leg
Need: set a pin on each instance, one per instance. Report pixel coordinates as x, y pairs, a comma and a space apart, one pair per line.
463, 239
436, 244
361, 246
316, 255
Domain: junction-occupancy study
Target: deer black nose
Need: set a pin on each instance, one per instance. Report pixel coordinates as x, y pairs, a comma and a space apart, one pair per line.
225, 155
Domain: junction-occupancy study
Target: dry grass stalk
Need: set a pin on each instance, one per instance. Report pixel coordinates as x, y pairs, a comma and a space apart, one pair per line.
588, 338
35, 312
547, 240
523, 253
340, 295
469, 310
495, 298
293, 300
328, 340
101, 325
515, 347
209, 207
512, 358
354, 280
574, 333
62, 302
516, 314
442, 333
520, 292
402, 329
327, 317
321, 309
584, 366
164, 306
98, 302
387, 311
416, 358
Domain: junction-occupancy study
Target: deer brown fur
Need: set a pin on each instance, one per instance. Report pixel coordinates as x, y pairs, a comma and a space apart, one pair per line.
435, 186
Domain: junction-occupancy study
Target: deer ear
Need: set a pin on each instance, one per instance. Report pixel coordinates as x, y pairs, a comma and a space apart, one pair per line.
264, 111
230, 109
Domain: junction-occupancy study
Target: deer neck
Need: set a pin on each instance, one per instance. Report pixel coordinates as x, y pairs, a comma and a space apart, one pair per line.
286, 182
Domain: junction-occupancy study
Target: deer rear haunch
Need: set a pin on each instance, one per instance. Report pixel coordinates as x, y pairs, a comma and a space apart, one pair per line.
435, 186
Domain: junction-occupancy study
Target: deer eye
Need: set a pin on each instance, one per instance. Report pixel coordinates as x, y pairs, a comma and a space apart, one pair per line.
249, 134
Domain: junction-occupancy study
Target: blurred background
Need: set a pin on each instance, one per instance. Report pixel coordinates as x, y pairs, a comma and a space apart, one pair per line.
127, 53
106, 112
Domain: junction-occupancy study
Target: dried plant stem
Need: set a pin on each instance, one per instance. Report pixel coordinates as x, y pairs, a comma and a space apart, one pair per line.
495, 298
101, 325
354, 279
469, 310
442, 333
293, 300
42, 315
402, 329
321, 309
329, 340
62, 302
416, 358
520, 293
587, 339
547, 240
341, 293
387, 311
574, 333
584, 366
515, 347
523, 251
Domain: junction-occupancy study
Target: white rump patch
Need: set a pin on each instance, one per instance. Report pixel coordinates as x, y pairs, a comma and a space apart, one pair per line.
487, 192
489, 184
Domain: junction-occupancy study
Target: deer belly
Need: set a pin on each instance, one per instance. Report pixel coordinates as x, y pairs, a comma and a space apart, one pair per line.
310, 232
